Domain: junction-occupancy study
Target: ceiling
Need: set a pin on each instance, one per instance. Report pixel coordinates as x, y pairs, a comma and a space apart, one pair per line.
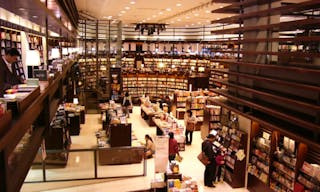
36, 12
176, 13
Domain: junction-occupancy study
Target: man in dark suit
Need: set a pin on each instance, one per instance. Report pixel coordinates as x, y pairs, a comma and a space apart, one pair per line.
209, 173
8, 76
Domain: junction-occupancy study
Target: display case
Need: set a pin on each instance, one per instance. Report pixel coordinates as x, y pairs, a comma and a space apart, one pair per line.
309, 174
235, 141
261, 150
283, 169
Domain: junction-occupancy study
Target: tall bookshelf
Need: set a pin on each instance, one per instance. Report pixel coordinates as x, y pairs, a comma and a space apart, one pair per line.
154, 84
12, 39
274, 75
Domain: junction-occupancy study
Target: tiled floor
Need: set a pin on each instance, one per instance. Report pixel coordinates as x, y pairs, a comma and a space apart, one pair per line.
190, 166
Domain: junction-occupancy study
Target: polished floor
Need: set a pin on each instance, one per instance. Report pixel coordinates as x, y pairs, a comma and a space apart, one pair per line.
190, 166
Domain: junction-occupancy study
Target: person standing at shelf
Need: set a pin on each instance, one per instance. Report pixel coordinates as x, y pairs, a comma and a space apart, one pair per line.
8, 77
127, 103
210, 170
190, 122
150, 146
173, 147
220, 161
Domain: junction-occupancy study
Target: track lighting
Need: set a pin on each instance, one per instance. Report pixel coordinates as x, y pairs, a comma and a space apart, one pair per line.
150, 28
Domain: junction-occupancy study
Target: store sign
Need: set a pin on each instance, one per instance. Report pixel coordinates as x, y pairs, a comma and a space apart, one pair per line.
162, 154
42, 75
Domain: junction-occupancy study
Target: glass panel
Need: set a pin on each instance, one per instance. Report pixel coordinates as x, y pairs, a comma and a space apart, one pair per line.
80, 165
126, 162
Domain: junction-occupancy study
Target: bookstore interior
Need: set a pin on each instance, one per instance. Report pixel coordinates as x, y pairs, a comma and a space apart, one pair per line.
247, 70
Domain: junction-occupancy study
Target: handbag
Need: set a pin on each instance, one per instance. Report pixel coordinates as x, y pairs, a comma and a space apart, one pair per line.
178, 158
190, 126
203, 158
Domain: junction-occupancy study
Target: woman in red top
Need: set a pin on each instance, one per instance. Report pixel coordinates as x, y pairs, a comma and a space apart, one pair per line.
219, 163
173, 147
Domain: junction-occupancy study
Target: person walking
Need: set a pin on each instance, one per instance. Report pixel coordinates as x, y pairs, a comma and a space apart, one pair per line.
190, 122
210, 170
173, 147
127, 103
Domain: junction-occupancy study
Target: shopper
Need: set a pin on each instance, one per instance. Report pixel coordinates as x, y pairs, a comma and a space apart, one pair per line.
115, 96
190, 122
220, 161
207, 149
127, 103
150, 147
173, 147
167, 100
8, 76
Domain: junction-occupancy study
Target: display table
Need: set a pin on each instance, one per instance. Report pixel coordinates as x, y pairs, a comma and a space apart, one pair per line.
170, 124
110, 153
147, 113
120, 155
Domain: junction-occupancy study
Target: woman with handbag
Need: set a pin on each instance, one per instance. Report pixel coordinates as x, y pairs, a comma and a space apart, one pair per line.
173, 147
190, 121
209, 173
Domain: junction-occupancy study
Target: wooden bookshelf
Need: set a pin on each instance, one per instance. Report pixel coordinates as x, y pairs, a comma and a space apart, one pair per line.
153, 84
10, 38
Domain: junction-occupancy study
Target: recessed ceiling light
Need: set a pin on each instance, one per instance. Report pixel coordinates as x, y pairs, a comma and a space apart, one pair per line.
154, 16
187, 17
148, 19
218, 18
192, 24
160, 13
127, 8
196, 14
143, 20
119, 14
132, 2
34, 16
178, 19
168, 9
221, 6
22, 9
178, 4
207, 11
172, 22
187, 25
199, 22
123, 11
